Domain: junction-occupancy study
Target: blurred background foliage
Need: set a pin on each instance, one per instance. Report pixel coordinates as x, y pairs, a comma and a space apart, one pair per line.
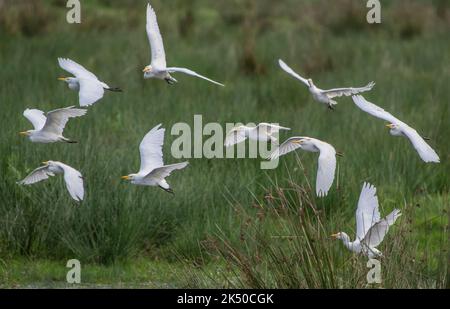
215, 216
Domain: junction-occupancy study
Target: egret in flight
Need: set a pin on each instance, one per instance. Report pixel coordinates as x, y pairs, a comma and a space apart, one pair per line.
370, 228
158, 68
72, 177
325, 96
326, 161
50, 129
399, 128
89, 88
262, 132
153, 171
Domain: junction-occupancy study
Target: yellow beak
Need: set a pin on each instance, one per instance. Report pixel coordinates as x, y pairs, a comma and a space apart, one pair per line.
23, 133
334, 236
146, 69
389, 125
45, 162
62, 78
125, 177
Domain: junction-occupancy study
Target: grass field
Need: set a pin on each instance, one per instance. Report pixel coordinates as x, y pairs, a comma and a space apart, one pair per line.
229, 224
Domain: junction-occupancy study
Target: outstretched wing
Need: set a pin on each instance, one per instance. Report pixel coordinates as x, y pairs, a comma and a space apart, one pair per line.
367, 213
192, 73
74, 181
425, 151
374, 110
287, 146
36, 117
235, 136
291, 72
165, 171
326, 167
39, 174
339, 92
76, 69
378, 231
151, 150
158, 55
57, 119
269, 128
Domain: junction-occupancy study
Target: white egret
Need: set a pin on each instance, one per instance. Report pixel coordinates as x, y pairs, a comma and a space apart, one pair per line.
153, 171
399, 128
326, 161
158, 68
50, 129
72, 177
262, 132
325, 96
370, 228
89, 88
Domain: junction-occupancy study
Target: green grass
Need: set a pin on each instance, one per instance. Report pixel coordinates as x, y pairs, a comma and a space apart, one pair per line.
120, 224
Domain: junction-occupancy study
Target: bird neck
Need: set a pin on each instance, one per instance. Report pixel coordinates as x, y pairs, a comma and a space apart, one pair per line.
346, 240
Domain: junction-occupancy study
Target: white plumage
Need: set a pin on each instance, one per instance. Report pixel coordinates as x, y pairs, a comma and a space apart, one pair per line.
399, 128
72, 177
158, 67
262, 132
324, 96
326, 162
152, 171
90, 88
370, 228
50, 129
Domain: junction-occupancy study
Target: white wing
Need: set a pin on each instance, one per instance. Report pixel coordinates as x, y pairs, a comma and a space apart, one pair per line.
376, 233
326, 167
367, 213
36, 117
286, 147
90, 91
158, 55
288, 70
39, 174
74, 181
57, 119
192, 73
151, 150
374, 110
425, 151
269, 129
235, 136
76, 69
339, 92
165, 171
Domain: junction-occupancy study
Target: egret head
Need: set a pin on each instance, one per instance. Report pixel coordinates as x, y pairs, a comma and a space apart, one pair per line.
298, 141
391, 126
26, 133
394, 129
310, 82
147, 71
303, 142
66, 79
129, 177
342, 236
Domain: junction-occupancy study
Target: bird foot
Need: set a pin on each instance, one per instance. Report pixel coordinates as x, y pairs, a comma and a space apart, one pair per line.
170, 81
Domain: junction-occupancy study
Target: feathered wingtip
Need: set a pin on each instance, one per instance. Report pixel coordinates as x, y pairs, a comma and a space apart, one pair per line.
370, 85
